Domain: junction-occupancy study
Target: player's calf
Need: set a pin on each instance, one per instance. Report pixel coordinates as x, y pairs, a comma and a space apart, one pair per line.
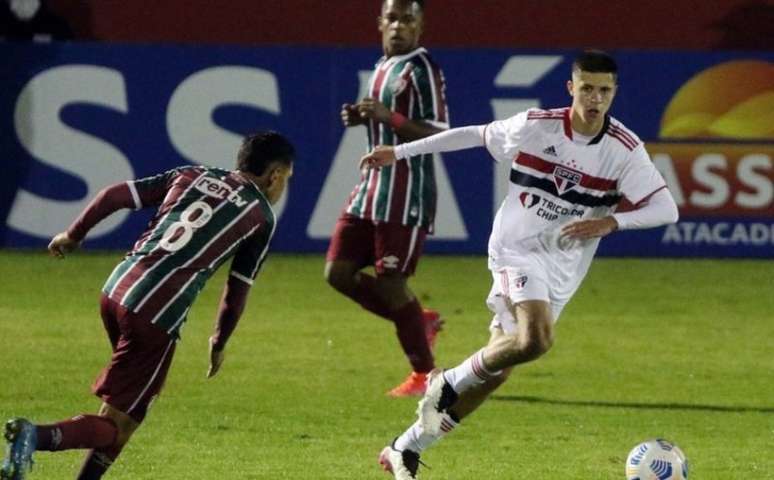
433, 324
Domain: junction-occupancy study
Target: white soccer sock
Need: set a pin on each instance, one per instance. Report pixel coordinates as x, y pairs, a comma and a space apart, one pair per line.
417, 440
469, 373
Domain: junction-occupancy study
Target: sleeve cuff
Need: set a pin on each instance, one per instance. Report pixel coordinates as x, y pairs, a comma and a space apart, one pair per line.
135, 195
241, 277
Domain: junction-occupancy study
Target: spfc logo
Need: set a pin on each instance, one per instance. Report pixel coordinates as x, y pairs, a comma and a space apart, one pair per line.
520, 282
566, 179
529, 200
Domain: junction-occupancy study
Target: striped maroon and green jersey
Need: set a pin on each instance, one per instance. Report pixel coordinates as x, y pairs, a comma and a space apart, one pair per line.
205, 216
414, 86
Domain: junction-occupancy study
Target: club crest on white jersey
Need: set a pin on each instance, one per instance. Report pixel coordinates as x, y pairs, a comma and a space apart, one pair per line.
566, 179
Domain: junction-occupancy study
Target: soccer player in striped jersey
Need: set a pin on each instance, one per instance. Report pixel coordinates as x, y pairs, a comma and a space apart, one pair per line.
205, 216
570, 167
392, 209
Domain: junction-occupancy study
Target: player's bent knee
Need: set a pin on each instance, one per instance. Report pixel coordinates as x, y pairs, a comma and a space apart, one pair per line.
535, 348
125, 425
395, 289
539, 338
126, 429
533, 341
338, 277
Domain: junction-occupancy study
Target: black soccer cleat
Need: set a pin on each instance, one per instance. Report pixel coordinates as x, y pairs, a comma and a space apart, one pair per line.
434, 406
22, 440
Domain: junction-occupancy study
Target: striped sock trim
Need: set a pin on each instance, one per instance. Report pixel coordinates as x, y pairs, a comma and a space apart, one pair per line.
477, 364
447, 425
56, 438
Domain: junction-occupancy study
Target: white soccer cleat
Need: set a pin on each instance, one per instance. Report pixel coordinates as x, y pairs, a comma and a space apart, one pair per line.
402, 464
432, 409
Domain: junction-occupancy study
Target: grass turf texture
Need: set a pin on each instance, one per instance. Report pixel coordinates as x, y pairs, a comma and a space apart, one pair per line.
666, 348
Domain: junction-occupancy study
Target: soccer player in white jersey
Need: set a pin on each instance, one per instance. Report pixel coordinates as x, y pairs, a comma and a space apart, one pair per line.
570, 167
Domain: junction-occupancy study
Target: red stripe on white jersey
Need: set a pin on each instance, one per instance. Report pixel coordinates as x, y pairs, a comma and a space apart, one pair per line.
625, 133
646, 197
621, 139
544, 166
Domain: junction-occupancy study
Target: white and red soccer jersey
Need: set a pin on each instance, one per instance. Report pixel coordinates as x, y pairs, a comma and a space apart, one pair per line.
555, 180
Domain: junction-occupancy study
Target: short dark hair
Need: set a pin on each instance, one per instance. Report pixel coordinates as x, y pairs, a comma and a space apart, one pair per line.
595, 61
260, 149
420, 4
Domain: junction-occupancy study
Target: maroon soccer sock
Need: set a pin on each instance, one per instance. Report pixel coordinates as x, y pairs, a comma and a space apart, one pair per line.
411, 333
98, 462
366, 295
82, 431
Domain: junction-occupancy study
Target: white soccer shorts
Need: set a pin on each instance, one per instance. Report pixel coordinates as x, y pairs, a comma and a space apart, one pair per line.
512, 285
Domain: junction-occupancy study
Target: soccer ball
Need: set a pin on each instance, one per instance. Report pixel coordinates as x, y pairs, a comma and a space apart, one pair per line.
656, 459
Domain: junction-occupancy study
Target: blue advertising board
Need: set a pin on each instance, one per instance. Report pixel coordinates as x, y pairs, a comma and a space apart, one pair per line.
77, 117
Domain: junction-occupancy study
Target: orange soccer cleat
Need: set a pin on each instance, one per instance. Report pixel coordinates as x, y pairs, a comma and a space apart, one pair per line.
413, 386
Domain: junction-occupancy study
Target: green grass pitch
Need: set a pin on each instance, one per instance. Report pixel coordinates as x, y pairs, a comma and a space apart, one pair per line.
648, 348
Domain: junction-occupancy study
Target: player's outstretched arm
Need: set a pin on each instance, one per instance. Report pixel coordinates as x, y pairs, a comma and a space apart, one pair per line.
447, 141
232, 304
107, 201
216, 358
380, 156
61, 245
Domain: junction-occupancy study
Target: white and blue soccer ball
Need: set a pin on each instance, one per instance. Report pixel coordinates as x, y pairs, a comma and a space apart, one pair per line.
656, 459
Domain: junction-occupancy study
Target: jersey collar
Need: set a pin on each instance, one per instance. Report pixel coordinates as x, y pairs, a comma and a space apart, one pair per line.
260, 194
400, 58
568, 127
249, 182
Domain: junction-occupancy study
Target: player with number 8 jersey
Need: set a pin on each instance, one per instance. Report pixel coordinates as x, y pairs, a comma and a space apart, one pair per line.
206, 214
204, 217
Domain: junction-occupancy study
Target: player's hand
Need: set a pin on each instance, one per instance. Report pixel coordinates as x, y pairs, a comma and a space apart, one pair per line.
379, 157
592, 228
62, 244
217, 355
350, 116
374, 109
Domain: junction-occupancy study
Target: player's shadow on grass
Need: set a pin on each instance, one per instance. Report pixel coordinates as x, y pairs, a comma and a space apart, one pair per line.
646, 406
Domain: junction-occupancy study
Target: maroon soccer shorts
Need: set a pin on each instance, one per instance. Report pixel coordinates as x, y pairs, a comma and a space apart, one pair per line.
142, 353
389, 247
